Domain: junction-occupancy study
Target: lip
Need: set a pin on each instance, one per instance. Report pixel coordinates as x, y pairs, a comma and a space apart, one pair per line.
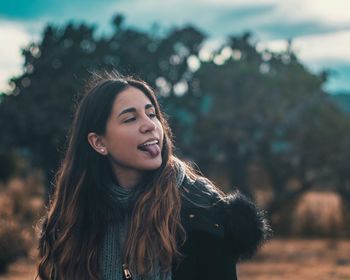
150, 139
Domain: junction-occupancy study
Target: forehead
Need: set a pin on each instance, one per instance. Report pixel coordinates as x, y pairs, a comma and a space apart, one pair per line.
131, 97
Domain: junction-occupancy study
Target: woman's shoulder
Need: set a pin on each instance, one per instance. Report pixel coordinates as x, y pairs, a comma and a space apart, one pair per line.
235, 217
199, 209
199, 192
246, 226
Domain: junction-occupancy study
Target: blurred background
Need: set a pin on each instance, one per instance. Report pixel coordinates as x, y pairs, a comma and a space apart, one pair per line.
257, 93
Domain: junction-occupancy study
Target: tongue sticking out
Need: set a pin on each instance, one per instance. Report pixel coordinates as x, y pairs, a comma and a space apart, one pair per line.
152, 149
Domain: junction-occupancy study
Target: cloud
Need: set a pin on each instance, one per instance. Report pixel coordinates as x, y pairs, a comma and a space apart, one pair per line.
281, 19
333, 12
55, 10
327, 52
320, 29
339, 78
246, 13
322, 52
14, 36
327, 47
288, 30
318, 49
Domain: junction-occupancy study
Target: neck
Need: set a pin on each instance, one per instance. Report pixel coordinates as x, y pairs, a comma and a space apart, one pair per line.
127, 178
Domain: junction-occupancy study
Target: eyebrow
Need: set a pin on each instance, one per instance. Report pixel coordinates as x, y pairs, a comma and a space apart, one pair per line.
133, 110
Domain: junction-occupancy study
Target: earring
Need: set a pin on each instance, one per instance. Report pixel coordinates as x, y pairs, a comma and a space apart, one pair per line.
102, 150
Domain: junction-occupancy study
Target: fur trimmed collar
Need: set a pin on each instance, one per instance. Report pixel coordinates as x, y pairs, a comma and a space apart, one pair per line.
233, 218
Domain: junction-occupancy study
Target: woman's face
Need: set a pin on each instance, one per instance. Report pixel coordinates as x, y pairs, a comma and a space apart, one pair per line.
131, 125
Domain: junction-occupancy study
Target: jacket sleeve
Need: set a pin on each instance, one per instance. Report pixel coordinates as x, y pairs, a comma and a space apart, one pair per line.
245, 226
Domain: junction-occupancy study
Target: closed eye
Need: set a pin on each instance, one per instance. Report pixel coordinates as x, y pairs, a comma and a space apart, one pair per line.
130, 120
150, 115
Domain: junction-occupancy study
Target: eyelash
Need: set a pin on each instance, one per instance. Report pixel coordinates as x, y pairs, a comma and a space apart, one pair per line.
151, 115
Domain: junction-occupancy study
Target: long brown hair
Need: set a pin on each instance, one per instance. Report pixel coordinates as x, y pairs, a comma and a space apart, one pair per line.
73, 227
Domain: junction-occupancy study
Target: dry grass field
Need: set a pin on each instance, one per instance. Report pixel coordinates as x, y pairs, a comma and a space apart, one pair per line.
21, 203
289, 259
280, 259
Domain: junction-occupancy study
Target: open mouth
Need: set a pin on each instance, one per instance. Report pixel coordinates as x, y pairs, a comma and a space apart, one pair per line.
150, 147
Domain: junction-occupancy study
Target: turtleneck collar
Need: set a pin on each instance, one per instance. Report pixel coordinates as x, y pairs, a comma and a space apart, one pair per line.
124, 195
121, 192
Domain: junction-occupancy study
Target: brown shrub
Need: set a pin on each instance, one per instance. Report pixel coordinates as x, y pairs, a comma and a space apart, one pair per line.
12, 243
21, 204
319, 214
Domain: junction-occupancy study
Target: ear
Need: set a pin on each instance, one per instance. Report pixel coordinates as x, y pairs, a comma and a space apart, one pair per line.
97, 143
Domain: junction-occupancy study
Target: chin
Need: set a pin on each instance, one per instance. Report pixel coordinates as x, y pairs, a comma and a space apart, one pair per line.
152, 166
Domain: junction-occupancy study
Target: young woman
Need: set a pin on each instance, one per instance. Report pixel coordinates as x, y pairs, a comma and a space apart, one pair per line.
125, 207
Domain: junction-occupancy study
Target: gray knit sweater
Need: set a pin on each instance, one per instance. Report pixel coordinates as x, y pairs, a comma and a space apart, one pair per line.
111, 249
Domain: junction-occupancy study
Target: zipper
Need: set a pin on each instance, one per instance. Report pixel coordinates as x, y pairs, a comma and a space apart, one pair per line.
127, 272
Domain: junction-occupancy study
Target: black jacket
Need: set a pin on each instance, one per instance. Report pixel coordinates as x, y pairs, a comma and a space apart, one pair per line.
219, 233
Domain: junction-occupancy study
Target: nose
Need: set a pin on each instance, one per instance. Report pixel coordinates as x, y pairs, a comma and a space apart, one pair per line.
147, 125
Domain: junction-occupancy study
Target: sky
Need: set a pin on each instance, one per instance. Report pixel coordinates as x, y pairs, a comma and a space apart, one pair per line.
319, 29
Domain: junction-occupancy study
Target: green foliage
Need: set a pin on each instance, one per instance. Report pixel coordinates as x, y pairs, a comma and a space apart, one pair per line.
37, 116
7, 166
239, 108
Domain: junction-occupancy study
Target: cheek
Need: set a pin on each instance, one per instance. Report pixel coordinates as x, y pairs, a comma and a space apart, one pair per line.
160, 132
121, 140
160, 128
127, 142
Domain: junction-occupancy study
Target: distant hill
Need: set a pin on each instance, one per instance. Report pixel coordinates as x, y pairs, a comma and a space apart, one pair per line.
342, 100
